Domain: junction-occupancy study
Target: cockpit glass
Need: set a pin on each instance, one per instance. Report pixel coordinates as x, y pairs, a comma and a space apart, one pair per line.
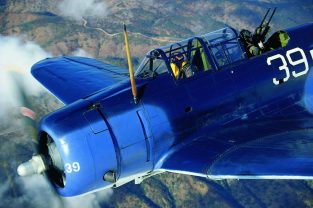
159, 66
160, 60
151, 66
212, 50
224, 46
144, 70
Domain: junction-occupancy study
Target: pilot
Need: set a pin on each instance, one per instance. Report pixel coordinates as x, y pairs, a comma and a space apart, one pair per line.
180, 67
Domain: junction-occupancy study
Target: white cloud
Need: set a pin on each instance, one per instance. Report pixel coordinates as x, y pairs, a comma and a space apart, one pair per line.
17, 56
76, 9
35, 191
93, 200
81, 52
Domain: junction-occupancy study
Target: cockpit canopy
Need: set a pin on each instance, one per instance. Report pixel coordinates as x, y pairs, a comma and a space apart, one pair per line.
213, 50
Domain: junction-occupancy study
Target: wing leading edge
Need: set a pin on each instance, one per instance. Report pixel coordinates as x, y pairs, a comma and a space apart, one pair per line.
266, 153
73, 78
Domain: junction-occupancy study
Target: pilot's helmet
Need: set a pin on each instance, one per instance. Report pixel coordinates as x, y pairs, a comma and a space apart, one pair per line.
178, 58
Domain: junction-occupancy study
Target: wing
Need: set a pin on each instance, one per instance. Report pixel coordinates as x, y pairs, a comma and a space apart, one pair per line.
275, 149
72, 78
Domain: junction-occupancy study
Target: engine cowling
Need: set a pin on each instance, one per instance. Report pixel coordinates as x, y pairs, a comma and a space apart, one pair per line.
78, 159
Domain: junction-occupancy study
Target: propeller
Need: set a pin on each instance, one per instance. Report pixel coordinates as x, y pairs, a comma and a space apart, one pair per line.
46, 159
36, 164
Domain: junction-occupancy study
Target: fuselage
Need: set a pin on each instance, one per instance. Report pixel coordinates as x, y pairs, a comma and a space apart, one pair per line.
109, 132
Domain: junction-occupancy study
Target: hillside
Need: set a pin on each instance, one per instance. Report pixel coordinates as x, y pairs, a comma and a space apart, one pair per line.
44, 23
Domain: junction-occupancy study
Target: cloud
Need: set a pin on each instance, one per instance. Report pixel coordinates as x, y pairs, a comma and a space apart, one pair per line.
81, 52
17, 56
94, 200
76, 9
35, 191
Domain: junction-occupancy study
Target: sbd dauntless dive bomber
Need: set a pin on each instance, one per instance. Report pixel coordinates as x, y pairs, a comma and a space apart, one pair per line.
224, 105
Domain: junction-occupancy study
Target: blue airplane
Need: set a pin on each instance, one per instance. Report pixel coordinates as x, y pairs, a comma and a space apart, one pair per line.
224, 105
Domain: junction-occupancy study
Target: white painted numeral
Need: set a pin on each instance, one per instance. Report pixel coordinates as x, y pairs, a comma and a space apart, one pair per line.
68, 168
282, 67
303, 60
74, 167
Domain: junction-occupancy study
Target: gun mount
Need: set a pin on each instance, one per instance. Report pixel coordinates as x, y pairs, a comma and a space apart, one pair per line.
254, 42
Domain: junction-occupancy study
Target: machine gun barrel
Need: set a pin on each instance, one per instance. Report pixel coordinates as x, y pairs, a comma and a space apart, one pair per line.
265, 17
267, 27
261, 31
270, 19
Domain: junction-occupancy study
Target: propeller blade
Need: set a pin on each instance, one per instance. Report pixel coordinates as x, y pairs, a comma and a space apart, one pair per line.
26, 110
41, 162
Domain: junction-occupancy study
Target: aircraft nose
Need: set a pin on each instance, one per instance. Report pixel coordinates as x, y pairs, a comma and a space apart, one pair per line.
34, 166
